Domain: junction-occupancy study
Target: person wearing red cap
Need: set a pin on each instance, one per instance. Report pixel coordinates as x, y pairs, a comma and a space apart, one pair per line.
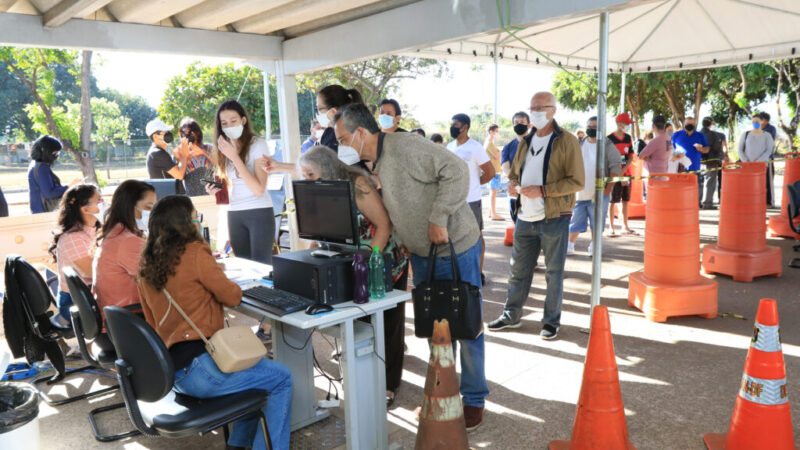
622, 189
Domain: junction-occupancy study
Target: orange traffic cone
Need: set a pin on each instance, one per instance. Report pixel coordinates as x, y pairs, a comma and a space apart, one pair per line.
509, 239
761, 417
600, 416
779, 224
441, 421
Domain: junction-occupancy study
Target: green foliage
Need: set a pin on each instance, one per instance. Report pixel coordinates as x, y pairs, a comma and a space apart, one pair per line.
132, 107
108, 124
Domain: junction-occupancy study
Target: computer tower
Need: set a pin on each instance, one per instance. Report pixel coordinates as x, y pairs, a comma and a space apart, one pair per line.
324, 280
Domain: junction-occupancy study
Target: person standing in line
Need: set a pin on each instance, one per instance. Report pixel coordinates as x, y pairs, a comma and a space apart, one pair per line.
756, 145
390, 115
658, 151
622, 189
711, 160
481, 170
548, 168
437, 138
419, 131
725, 159
692, 144
584, 207
251, 223
314, 135
160, 164
330, 100
769, 129
44, 187
198, 165
494, 156
521, 122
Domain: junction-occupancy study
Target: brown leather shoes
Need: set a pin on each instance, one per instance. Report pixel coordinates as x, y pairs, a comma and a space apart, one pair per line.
473, 416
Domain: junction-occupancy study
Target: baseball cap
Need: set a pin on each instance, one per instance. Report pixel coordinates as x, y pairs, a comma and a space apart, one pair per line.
156, 125
624, 118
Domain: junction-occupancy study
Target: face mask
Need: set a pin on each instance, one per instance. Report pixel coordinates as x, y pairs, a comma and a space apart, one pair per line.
323, 120
142, 223
318, 134
233, 132
689, 127
348, 155
756, 125
539, 119
100, 215
520, 129
454, 132
385, 121
626, 128
669, 133
591, 132
168, 137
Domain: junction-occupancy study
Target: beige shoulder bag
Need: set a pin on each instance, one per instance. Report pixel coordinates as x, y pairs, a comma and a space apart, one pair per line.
232, 348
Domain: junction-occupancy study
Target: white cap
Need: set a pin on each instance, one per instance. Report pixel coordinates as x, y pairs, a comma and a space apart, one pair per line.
156, 125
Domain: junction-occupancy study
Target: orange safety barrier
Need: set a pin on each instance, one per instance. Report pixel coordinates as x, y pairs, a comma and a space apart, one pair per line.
741, 250
762, 417
636, 207
441, 420
779, 225
671, 284
600, 416
508, 241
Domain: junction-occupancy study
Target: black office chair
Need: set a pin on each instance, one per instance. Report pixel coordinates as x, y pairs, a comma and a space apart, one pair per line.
146, 376
30, 298
88, 325
793, 211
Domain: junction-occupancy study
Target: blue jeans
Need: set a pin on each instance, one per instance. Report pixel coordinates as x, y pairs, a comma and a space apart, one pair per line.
549, 236
512, 204
64, 303
473, 376
584, 210
202, 379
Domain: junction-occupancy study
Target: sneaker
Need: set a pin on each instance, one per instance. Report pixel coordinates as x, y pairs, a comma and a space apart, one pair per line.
548, 332
570, 248
473, 416
591, 247
483, 279
502, 323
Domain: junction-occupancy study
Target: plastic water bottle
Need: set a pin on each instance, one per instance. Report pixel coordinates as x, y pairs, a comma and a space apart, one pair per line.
377, 271
361, 275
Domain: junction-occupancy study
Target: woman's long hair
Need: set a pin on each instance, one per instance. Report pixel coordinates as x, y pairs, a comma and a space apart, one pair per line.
336, 96
45, 149
123, 207
330, 167
170, 230
70, 217
245, 140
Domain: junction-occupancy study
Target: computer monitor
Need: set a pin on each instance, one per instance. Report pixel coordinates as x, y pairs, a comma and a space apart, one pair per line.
165, 187
326, 211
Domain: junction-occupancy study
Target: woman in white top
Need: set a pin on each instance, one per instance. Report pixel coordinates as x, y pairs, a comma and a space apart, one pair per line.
251, 223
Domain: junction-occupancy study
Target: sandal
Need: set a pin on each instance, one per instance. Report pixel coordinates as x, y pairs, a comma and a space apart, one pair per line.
630, 233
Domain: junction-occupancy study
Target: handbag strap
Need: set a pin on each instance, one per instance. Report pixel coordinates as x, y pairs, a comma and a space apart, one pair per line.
456, 271
172, 302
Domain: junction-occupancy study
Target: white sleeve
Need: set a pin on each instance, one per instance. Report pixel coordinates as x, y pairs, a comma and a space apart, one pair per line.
479, 155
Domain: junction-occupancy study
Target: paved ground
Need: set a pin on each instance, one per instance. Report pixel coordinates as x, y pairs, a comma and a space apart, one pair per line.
679, 379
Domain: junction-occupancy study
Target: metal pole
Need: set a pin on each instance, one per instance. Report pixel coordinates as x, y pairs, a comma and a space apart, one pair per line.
495, 84
622, 95
267, 108
597, 230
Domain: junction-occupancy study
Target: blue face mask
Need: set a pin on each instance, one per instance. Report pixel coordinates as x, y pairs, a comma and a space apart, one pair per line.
756, 125
385, 121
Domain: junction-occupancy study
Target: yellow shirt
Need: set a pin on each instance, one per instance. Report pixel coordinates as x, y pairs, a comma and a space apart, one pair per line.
494, 154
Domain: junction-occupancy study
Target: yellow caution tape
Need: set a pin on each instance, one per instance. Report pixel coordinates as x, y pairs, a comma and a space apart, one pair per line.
735, 316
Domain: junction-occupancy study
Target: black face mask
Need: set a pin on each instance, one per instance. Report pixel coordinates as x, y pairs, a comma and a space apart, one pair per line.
168, 137
689, 127
591, 132
454, 132
520, 129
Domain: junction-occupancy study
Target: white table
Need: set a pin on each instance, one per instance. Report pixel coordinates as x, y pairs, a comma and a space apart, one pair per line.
363, 357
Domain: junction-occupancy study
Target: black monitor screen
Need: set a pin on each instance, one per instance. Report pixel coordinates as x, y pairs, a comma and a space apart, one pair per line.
326, 211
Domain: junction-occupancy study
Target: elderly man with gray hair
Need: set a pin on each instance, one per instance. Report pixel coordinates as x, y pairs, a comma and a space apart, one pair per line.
425, 190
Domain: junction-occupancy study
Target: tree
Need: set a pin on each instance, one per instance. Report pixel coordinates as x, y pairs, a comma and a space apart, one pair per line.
735, 90
133, 107
35, 68
788, 82
86, 107
375, 78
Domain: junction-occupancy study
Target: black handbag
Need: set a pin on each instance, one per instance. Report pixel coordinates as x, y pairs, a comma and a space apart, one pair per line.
455, 300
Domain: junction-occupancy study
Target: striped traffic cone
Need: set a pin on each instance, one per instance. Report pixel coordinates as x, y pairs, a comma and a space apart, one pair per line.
761, 417
441, 421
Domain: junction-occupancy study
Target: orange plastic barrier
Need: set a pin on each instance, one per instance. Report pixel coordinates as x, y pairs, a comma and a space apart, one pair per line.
671, 284
779, 225
600, 416
636, 207
741, 250
508, 241
762, 416
441, 421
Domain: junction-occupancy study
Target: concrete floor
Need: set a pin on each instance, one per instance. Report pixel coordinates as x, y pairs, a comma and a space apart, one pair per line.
679, 379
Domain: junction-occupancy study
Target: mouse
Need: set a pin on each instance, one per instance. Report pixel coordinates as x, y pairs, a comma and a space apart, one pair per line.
318, 308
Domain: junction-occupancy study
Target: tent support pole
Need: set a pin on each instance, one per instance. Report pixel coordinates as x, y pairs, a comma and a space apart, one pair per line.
288, 117
622, 95
495, 83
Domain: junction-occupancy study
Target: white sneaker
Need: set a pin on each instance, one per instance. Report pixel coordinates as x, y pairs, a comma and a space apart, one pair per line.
570, 248
591, 247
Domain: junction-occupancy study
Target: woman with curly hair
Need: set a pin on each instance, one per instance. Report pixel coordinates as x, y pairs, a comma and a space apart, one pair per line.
177, 260
73, 240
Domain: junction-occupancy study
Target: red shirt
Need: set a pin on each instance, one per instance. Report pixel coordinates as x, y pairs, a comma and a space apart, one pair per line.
115, 266
625, 147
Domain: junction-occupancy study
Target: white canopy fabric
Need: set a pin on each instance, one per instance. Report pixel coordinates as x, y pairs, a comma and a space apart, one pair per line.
654, 36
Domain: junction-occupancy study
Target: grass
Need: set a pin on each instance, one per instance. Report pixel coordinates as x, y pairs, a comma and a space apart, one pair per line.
16, 176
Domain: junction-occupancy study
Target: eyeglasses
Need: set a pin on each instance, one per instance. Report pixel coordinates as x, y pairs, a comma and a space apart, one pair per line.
540, 108
324, 109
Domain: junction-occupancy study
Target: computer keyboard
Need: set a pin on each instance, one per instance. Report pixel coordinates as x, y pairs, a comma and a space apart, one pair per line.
275, 301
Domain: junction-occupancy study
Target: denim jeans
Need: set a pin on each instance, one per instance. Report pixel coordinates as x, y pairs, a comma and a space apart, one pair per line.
202, 379
583, 212
549, 236
64, 303
473, 376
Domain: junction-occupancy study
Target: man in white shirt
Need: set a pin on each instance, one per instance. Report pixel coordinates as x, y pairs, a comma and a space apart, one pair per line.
481, 170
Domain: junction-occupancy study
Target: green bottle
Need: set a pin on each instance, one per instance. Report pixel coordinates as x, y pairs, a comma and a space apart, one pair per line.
377, 274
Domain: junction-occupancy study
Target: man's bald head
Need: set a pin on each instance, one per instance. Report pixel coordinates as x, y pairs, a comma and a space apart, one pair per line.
545, 96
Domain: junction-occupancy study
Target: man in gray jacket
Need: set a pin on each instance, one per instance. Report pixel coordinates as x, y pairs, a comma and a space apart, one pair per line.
584, 207
424, 189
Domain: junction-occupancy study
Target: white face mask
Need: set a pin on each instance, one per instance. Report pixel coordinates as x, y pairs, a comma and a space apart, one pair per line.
318, 134
385, 121
323, 120
539, 119
100, 215
233, 132
626, 128
348, 154
142, 223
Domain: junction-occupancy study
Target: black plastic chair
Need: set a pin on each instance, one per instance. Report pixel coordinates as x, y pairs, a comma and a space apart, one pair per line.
793, 211
88, 326
146, 377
